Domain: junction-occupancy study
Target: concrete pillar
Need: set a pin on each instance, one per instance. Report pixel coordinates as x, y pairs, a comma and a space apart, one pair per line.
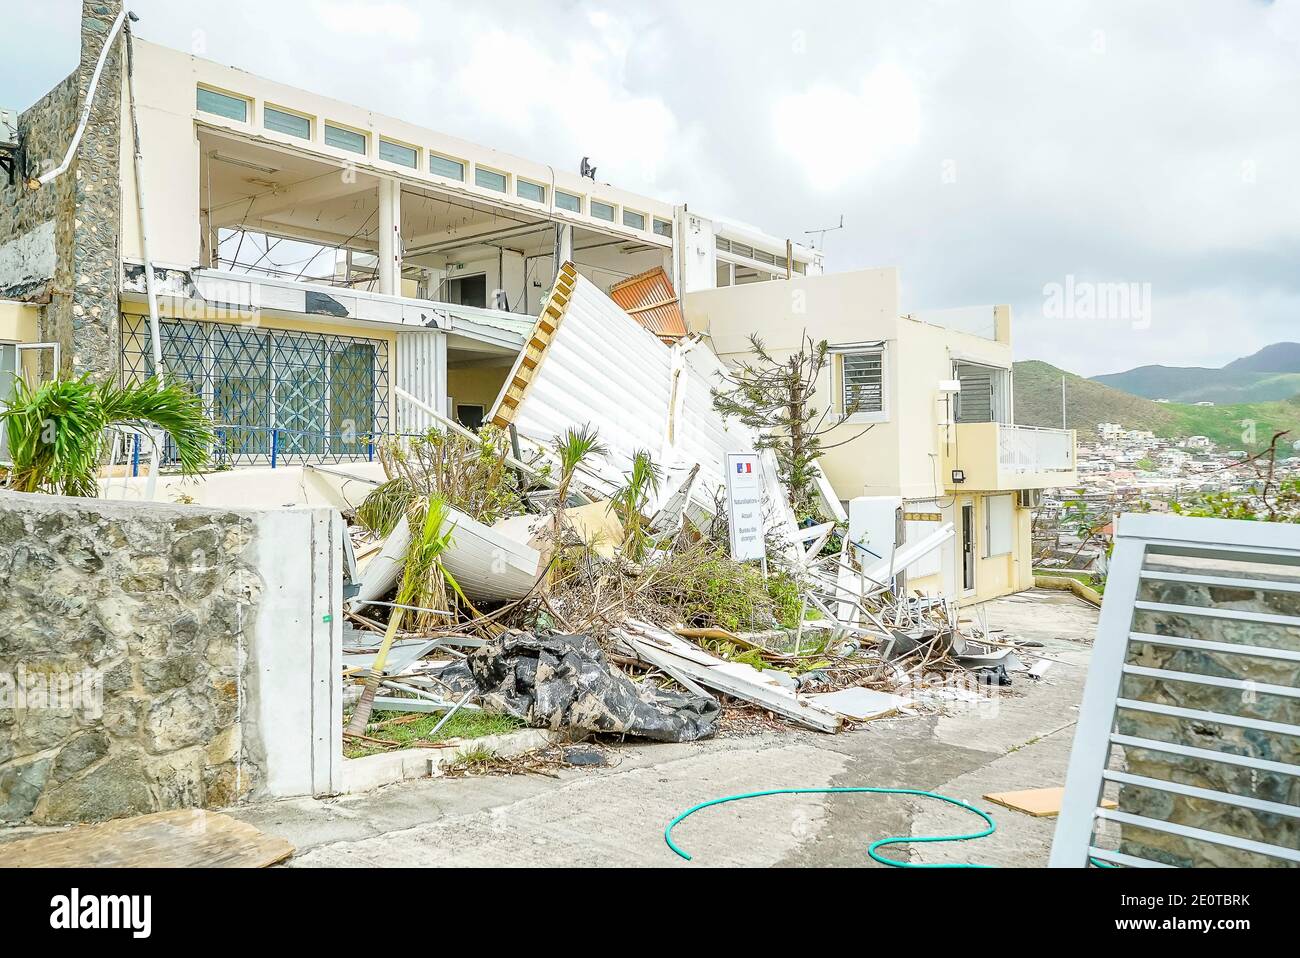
563, 245
390, 237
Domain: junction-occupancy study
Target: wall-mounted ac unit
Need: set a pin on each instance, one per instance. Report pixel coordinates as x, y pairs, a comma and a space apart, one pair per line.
1031, 498
8, 129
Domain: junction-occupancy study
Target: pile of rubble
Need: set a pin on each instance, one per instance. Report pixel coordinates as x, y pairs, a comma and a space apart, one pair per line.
567, 564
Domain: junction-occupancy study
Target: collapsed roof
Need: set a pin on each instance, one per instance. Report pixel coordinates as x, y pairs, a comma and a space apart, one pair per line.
588, 363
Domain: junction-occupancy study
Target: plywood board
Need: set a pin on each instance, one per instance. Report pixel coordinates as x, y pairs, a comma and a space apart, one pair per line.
1039, 802
185, 838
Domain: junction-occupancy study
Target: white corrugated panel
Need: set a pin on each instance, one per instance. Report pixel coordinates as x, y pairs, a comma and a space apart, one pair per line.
604, 369
420, 366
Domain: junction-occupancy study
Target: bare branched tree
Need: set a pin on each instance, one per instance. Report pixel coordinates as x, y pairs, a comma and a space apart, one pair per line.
777, 397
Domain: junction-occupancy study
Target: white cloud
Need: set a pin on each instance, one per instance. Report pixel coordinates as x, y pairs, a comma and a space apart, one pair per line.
395, 22
838, 135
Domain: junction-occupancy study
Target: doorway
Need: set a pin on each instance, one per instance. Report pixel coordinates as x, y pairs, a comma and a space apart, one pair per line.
968, 547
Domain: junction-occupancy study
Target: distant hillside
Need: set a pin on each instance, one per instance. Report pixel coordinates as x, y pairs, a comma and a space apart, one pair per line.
1272, 373
1278, 358
1088, 402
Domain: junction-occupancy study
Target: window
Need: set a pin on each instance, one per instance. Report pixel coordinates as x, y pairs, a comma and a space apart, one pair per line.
663, 227
568, 201
602, 211
765, 257
863, 382
740, 249
722, 244
999, 520
398, 153
468, 290
302, 395
800, 267
222, 104
489, 179
724, 274
342, 139
444, 166
530, 191
634, 219
282, 121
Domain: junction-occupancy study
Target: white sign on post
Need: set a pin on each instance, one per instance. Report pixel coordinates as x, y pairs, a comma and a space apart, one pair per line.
745, 506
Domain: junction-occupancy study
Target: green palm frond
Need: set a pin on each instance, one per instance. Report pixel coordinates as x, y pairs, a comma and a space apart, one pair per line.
56, 430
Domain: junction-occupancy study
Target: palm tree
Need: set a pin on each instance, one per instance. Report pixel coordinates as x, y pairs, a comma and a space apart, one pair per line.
424, 579
573, 448
57, 437
632, 499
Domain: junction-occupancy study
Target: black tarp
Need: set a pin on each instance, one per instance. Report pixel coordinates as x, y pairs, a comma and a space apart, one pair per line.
565, 682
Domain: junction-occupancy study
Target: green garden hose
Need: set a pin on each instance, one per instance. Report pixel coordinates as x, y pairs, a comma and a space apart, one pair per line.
871, 849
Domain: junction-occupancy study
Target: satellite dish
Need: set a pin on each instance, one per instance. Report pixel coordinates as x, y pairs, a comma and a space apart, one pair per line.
587, 170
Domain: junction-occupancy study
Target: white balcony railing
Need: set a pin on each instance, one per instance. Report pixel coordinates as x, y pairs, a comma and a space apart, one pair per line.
1035, 449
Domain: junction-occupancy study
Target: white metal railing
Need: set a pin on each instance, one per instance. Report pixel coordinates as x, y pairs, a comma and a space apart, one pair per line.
1035, 449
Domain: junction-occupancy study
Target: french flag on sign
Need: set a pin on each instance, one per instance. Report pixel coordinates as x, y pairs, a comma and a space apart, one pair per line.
744, 467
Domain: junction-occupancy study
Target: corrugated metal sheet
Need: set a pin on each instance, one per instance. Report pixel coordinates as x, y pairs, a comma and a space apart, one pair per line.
599, 367
421, 370
650, 299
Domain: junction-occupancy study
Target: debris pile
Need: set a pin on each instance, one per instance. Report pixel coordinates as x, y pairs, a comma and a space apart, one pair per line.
581, 579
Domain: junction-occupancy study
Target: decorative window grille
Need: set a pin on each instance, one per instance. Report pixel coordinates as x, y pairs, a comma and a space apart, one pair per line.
271, 393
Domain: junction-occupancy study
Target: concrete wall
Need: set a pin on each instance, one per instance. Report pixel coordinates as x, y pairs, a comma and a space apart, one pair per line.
197, 653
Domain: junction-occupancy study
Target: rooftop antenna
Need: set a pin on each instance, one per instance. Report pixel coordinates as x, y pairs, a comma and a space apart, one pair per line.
820, 242
586, 169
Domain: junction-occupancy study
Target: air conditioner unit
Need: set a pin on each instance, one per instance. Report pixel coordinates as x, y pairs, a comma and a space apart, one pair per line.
8, 129
1031, 498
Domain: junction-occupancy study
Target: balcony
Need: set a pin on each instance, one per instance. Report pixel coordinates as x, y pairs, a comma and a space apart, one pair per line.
995, 456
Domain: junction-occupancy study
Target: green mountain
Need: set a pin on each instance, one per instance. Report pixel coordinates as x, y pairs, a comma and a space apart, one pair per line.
1088, 402
1272, 373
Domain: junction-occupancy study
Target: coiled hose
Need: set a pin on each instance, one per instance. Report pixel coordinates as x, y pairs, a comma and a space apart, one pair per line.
872, 848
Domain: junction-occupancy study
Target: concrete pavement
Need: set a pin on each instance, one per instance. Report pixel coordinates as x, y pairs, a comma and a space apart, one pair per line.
616, 815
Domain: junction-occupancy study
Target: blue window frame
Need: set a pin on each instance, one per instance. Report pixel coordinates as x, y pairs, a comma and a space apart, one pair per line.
282, 121
397, 153
342, 139
489, 179
442, 166
222, 104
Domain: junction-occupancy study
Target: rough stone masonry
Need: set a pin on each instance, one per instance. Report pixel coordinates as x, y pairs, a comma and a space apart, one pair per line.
148, 609
60, 244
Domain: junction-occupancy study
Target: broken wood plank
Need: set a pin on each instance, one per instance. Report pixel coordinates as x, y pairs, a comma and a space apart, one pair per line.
1038, 802
183, 838
731, 678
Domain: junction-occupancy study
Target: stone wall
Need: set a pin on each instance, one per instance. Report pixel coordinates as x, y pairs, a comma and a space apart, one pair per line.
79, 212
1199, 813
167, 656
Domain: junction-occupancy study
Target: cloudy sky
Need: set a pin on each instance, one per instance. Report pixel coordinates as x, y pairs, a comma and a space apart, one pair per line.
1028, 153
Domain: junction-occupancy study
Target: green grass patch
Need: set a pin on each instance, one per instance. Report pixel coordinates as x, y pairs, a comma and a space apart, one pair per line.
415, 733
1086, 578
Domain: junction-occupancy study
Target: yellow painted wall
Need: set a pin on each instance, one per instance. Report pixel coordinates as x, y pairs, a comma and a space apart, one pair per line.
18, 322
901, 455
475, 385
